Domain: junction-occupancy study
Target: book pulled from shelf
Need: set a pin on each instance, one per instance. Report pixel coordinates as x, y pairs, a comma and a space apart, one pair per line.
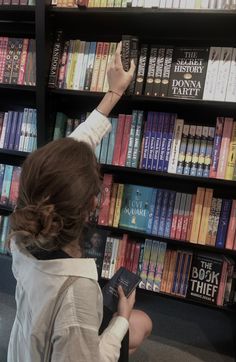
18, 130
17, 61
9, 185
199, 218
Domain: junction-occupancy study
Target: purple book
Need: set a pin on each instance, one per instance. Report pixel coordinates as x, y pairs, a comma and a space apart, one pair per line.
164, 208
147, 137
8, 129
166, 126
157, 215
160, 121
216, 147
152, 141
223, 223
13, 131
169, 141
169, 214
18, 131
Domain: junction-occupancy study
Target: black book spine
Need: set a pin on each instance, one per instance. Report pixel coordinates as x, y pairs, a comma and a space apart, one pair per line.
125, 56
141, 70
134, 56
56, 55
158, 72
9, 61
151, 71
16, 61
166, 72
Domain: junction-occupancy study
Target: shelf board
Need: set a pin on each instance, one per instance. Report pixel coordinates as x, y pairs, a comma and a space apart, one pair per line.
147, 99
209, 182
17, 12
17, 87
5, 210
177, 243
14, 153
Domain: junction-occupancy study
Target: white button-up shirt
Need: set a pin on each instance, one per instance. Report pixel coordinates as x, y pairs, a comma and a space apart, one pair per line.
75, 335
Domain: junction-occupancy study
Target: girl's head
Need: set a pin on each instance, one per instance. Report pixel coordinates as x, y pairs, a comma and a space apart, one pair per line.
58, 186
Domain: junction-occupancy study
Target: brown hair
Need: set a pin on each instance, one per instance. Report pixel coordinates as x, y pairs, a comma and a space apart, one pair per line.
56, 192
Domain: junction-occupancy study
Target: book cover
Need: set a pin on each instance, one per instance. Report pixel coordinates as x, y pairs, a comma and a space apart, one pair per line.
135, 207
223, 223
105, 200
159, 134
163, 145
197, 214
127, 280
169, 214
165, 80
189, 150
224, 150
119, 198
152, 265
205, 275
151, 71
216, 221
158, 72
212, 71
205, 217
169, 141
118, 139
174, 153
182, 149
188, 72
231, 161
202, 151
159, 267
232, 228
145, 263
137, 141
208, 154
196, 150
216, 146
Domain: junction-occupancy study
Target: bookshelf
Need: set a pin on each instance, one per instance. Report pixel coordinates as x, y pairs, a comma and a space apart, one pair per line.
177, 27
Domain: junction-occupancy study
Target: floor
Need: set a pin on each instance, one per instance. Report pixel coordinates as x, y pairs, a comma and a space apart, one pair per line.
156, 348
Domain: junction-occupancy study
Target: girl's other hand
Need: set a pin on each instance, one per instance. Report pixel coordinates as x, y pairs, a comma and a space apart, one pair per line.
125, 305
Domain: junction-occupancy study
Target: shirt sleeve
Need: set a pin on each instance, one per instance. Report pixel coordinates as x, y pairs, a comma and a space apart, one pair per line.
93, 129
76, 337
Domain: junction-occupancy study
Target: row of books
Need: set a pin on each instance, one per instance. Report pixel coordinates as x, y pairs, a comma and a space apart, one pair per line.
17, 2
17, 61
166, 4
4, 231
18, 130
9, 184
64, 125
200, 276
198, 218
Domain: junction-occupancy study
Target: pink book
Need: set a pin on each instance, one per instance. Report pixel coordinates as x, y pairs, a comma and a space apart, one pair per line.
125, 140
3, 53
224, 150
105, 199
23, 61
232, 228
136, 258
118, 140
223, 279
124, 242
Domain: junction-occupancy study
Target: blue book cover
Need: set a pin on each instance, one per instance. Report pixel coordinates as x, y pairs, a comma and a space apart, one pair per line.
8, 129
104, 148
151, 212
166, 126
164, 207
112, 138
160, 121
6, 185
157, 212
98, 151
135, 207
152, 142
30, 128
181, 276
131, 138
137, 141
13, 131
18, 131
178, 260
147, 138
2, 171
169, 141
35, 132
223, 223
169, 214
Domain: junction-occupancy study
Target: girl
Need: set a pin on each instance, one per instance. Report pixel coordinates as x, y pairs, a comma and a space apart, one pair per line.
59, 302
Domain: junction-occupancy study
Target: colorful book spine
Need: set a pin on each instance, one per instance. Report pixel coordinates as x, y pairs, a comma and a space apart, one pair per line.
158, 72
112, 204
169, 141
104, 149
171, 271
164, 208
147, 137
90, 66
159, 134
55, 62
111, 144
125, 140
216, 146
186, 272
159, 267
153, 140
186, 216
180, 216
202, 151
137, 141
151, 213
182, 149
175, 215
97, 63
152, 265
165, 271
190, 220
216, 221
197, 214
180, 274
196, 150
151, 71
231, 162
224, 150
169, 214
118, 205
13, 131
118, 140
211, 221
208, 155
131, 138
231, 234
205, 217
174, 153
18, 131
174, 285
136, 258
102, 70
163, 147
189, 150
8, 129
223, 223
105, 200
145, 263
6, 185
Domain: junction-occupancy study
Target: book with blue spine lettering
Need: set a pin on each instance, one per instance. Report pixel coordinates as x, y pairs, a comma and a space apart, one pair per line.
152, 141
157, 215
169, 214
147, 139
160, 122
151, 212
223, 223
163, 147
169, 141
111, 144
164, 208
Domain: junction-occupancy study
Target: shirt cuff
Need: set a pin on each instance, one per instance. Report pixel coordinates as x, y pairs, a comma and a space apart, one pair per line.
104, 123
118, 327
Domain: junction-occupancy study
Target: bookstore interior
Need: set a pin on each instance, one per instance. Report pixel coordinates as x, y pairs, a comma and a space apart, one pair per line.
167, 208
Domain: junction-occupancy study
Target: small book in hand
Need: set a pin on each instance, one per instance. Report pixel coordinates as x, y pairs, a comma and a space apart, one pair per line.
128, 281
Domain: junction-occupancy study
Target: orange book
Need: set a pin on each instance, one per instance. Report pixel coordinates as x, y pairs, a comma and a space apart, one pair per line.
171, 272
190, 220
96, 68
224, 149
197, 214
119, 197
165, 271
125, 140
231, 228
112, 204
205, 217
122, 251
118, 255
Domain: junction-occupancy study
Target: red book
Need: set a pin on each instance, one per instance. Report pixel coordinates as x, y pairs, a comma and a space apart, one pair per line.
180, 216
125, 140
23, 2
175, 215
105, 199
82, 3
15, 2
127, 254
124, 242
14, 190
223, 279
118, 139
136, 258
23, 61
131, 259
224, 149
231, 234
6, 2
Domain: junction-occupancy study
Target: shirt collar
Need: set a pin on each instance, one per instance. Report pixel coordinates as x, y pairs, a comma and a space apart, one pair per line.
81, 267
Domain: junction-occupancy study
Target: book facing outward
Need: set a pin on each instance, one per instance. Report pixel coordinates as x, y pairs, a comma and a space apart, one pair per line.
128, 281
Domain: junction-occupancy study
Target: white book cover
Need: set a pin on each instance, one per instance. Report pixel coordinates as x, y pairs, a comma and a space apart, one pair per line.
162, 4
84, 65
212, 4
156, 3
114, 257
223, 74
78, 66
176, 4
182, 4
4, 127
212, 71
220, 4
140, 3
174, 153
169, 4
134, 3
23, 129
231, 87
147, 3
204, 4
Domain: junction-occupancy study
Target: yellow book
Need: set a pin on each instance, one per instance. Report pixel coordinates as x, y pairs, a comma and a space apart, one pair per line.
231, 162
202, 237
112, 204
197, 215
97, 3
96, 68
101, 75
91, 4
118, 205
75, 54
103, 4
69, 62
111, 54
